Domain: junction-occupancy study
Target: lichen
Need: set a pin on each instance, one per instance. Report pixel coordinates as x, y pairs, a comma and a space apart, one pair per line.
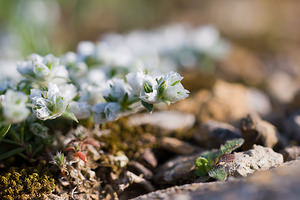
26, 183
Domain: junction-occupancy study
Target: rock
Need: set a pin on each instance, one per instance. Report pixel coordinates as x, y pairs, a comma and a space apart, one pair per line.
290, 153
138, 169
177, 170
276, 184
257, 131
258, 158
148, 159
166, 120
176, 146
227, 102
212, 134
292, 126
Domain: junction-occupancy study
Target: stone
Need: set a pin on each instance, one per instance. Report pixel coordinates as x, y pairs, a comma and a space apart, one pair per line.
175, 145
177, 170
257, 131
276, 184
138, 168
148, 159
292, 126
166, 120
212, 134
258, 158
291, 153
226, 102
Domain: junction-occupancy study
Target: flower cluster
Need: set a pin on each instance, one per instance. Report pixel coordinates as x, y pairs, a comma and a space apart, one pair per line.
78, 87
164, 49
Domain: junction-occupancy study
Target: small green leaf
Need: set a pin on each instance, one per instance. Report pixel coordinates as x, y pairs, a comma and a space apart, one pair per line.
218, 173
4, 130
68, 114
11, 153
202, 166
148, 106
229, 146
175, 83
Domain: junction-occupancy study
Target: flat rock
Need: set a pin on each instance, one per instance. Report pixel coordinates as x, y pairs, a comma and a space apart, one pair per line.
177, 170
166, 120
175, 145
212, 134
247, 162
276, 184
257, 131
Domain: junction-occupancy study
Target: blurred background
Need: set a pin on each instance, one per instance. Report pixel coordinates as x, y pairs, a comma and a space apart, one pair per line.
264, 34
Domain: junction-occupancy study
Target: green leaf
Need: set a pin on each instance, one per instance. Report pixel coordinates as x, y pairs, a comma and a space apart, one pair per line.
148, 106
175, 83
218, 173
202, 166
11, 153
4, 130
229, 146
210, 157
68, 114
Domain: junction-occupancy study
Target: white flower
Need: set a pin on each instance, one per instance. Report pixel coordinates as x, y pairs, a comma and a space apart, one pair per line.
85, 49
39, 130
112, 111
42, 70
149, 90
104, 112
80, 109
14, 107
115, 90
51, 103
91, 94
172, 89
99, 115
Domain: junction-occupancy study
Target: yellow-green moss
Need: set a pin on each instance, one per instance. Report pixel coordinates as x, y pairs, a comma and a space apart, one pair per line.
27, 183
125, 138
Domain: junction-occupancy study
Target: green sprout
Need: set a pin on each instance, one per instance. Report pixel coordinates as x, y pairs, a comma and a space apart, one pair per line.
208, 163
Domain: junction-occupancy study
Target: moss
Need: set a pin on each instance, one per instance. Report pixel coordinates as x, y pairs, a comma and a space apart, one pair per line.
125, 138
26, 183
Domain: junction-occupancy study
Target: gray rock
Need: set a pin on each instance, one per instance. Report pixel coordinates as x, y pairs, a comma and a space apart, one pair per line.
291, 153
212, 134
138, 169
177, 170
176, 146
148, 159
166, 120
257, 131
292, 126
258, 158
276, 184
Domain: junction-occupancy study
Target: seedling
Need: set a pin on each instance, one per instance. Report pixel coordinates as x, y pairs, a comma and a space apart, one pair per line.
208, 164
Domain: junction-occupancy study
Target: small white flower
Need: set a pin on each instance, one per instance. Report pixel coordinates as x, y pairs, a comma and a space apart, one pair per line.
112, 111
91, 94
115, 90
51, 103
14, 106
149, 90
80, 109
42, 70
104, 112
99, 115
172, 89
85, 49
39, 130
